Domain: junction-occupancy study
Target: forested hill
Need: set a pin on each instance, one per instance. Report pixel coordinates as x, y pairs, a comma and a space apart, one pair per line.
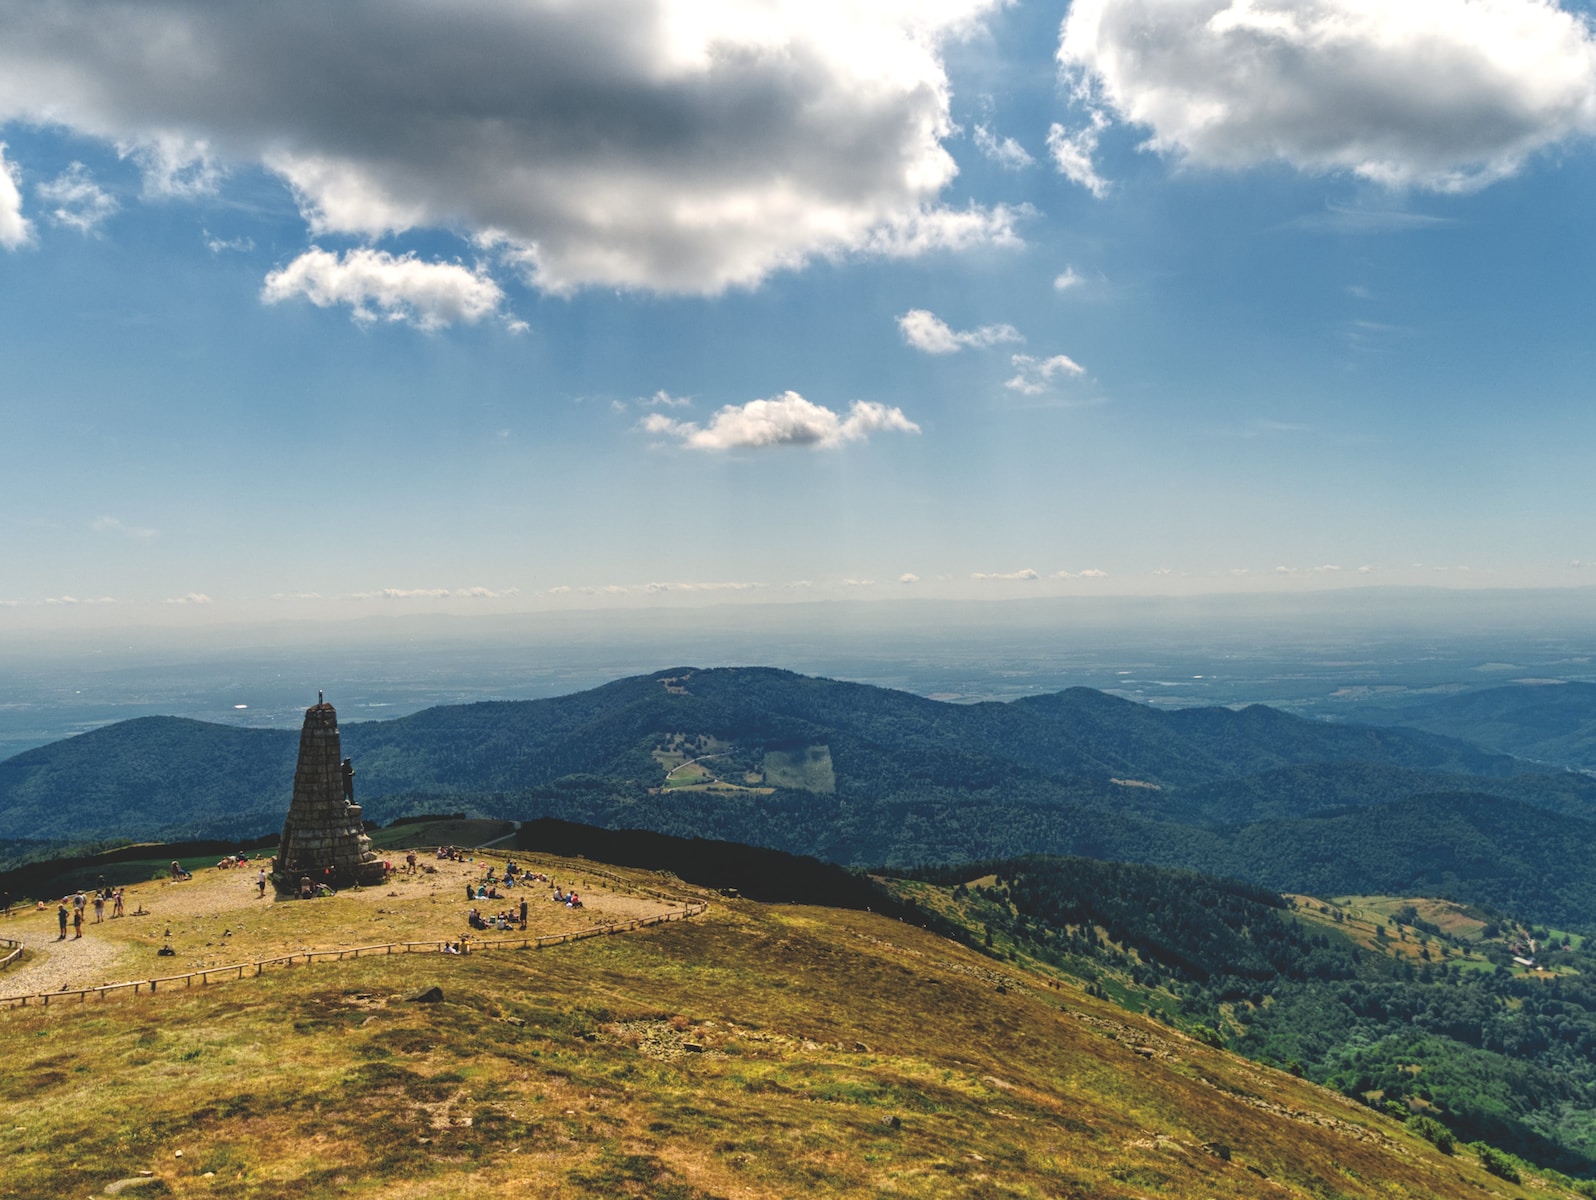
172, 777
1547, 722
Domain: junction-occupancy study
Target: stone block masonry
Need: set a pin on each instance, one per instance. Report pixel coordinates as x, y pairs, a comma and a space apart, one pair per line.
324, 828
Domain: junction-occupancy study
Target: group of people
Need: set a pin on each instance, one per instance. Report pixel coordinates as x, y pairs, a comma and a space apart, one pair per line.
75, 907
233, 861
503, 921
514, 876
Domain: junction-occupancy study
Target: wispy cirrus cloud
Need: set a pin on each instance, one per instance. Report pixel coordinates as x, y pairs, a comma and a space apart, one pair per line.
784, 420
119, 526
1024, 575
1004, 151
74, 200
1037, 376
440, 593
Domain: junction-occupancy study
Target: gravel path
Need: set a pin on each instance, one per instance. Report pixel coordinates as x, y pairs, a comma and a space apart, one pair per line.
73, 963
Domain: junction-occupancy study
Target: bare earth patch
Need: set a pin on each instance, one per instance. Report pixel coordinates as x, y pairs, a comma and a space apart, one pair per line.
219, 918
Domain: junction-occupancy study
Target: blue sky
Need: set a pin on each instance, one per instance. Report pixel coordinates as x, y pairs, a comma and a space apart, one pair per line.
325, 311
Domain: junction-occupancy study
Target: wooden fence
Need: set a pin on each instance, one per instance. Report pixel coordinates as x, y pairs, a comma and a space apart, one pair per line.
11, 955
258, 967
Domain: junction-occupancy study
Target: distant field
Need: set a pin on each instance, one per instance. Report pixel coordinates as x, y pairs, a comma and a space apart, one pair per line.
808, 769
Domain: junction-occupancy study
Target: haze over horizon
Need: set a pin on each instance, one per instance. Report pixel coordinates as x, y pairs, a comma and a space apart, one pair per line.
314, 312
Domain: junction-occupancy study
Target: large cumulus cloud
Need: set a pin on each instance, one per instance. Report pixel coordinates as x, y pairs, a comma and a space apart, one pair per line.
1442, 94
681, 145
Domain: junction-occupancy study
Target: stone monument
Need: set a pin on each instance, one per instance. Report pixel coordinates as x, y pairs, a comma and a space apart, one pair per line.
324, 828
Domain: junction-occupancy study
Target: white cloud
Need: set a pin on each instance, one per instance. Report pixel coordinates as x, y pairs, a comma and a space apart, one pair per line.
1343, 219
15, 229
465, 593
926, 331
1073, 152
1068, 279
74, 601
1035, 376
173, 166
858, 583
374, 283
1006, 152
1025, 574
784, 420
191, 598
117, 525
1089, 573
216, 245
675, 145
908, 577
78, 202
663, 399
1441, 94
724, 586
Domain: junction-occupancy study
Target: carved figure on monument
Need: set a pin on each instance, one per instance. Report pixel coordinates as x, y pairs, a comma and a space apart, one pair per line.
323, 835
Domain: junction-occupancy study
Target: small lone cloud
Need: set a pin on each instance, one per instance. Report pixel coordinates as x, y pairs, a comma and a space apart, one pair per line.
784, 420
238, 245
930, 334
1037, 376
908, 577
1024, 575
377, 285
74, 200
117, 525
1006, 152
1067, 280
192, 598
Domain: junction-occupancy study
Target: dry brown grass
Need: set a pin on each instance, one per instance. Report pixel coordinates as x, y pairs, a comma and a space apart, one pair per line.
754, 1052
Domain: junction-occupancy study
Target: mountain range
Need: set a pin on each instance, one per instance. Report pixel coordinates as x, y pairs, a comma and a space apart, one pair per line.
863, 775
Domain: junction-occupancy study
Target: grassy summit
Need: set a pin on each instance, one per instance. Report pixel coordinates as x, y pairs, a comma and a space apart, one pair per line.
758, 1050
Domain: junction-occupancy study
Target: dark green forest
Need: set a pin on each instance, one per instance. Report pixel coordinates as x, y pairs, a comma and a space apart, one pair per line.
1489, 1052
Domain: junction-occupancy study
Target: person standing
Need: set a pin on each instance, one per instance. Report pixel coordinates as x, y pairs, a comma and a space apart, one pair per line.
61, 917
523, 913
99, 907
77, 923
260, 882
116, 903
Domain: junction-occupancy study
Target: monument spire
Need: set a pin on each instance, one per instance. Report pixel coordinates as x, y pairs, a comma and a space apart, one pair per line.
324, 829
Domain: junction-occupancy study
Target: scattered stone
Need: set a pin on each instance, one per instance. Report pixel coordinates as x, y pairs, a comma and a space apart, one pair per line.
1218, 1149
179, 1154
894, 1121
861, 1048
693, 1047
431, 995
208, 1175
134, 1184
590, 1036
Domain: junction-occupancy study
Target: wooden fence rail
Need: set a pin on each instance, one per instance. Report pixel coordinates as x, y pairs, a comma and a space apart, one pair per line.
11, 955
258, 967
